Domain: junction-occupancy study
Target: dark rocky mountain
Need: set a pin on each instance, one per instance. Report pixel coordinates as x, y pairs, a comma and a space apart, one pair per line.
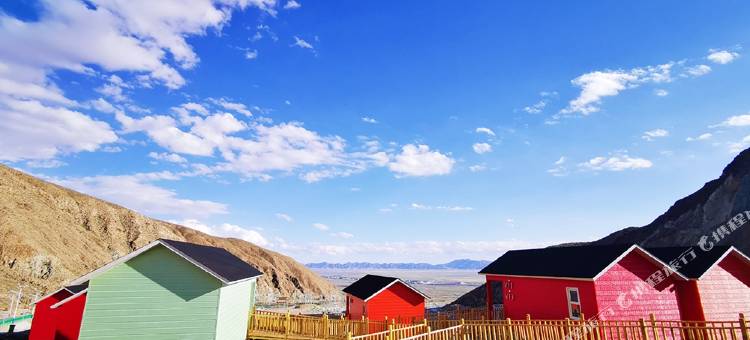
699, 214
455, 264
686, 221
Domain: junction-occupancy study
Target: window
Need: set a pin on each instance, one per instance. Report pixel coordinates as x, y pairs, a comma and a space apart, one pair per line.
574, 303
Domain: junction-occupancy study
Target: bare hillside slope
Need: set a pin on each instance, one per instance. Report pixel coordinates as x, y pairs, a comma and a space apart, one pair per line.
50, 235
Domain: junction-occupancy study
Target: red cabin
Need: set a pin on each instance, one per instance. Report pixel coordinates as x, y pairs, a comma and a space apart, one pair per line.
380, 297
58, 315
622, 283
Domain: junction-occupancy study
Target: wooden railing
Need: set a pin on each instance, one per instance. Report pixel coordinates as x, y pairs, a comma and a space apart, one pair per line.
394, 333
263, 324
457, 313
642, 329
449, 333
266, 325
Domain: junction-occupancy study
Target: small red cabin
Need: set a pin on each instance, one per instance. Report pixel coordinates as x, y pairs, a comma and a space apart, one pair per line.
59, 314
380, 297
622, 283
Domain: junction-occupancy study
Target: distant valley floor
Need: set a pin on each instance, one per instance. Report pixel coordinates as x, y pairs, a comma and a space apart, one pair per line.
443, 286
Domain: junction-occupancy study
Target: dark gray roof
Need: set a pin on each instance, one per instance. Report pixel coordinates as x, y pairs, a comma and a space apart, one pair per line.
588, 261
368, 285
573, 262
77, 288
695, 267
218, 260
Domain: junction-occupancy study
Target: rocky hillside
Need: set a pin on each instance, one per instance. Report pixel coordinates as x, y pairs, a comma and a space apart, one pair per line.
50, 235
687, 220
699, 213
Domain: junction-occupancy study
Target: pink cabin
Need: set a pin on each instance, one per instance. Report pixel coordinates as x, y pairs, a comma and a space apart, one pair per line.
616, 283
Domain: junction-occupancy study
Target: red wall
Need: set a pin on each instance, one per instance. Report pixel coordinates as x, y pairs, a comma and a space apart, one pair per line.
543, 298
725, 290
625, 276
396, 302
355, 307
43, 322
689, 298
61, 323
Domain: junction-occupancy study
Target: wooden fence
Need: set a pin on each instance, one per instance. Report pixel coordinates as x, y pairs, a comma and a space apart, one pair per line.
266, 325
642, 329
394, 333
457, 313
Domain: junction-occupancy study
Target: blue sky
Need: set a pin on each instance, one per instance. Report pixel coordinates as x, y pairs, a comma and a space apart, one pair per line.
378, 131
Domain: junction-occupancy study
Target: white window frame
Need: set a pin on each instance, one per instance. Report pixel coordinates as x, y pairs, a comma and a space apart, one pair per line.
570, 303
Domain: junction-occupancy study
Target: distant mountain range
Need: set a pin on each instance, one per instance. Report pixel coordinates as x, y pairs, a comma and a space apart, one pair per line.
455, 264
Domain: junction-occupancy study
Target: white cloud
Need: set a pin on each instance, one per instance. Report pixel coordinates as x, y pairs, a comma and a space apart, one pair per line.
481, 148
705, 136
735, 121
233, 106
369, 120
31, 130
169, 157
653, 134
661, 92
301, 43
485, 130
45, 163
321, 226
560, 169
291, 4
739, 146
457, 208
722, 56
597, 85
418, 160
477, 168
226, 230
615, 163
284, 217
407, 251
539, 106
115, 35
343, 235
137, 193
251, 54
698, 70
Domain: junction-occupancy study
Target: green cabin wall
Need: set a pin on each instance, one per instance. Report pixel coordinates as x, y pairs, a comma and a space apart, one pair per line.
156, 295
235, 303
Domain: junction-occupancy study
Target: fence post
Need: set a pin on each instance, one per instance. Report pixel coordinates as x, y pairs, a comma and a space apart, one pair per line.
348, 335
390, 332
642, 324
288, 323
584, 331
743, 327
367, 325
529, 331
652, 317
510, 329
325, 325
567, 328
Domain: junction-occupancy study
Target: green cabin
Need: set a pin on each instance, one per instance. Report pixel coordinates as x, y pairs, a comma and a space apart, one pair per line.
170, 290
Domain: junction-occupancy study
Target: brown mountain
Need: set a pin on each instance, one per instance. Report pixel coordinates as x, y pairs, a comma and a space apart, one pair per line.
50, 235
687, 220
